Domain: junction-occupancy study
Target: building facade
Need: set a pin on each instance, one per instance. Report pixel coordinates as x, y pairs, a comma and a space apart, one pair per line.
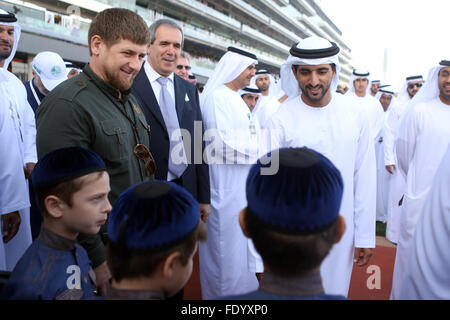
267, 28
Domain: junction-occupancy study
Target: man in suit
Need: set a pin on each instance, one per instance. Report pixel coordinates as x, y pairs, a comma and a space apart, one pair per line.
167, 113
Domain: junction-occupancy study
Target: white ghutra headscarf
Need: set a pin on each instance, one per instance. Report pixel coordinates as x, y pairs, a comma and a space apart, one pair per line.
309, 51
229, 67
9, 19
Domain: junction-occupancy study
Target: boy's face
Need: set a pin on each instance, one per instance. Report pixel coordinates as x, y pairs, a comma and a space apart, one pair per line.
90, 206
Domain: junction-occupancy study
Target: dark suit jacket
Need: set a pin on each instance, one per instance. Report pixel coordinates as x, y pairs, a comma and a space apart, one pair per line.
196, 177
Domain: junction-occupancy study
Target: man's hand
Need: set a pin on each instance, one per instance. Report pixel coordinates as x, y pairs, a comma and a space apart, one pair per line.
205, 210
29, 167
102, 276
10, 225
362, 256
391, 168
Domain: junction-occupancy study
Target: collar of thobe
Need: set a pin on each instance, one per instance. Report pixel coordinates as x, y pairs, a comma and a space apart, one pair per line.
55, 241
106, 87
229, 67
307, 285
310, 51
5, 19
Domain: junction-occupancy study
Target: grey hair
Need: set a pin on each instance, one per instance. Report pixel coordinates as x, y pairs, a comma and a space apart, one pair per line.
164, 22
185, 55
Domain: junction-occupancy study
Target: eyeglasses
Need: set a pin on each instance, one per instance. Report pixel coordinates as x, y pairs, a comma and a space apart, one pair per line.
142, 153
411, 85
181, 67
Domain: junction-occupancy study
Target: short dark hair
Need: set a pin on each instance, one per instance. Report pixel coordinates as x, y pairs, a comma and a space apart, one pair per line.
135, 263
164, 22
64, 190
286, 253
116, 24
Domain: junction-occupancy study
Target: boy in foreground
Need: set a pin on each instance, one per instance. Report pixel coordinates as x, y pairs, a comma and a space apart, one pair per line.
293, 219
71, 186
153, 231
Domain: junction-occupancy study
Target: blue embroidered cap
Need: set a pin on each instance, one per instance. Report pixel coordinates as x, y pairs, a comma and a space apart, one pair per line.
303, 197
65, 164
151, 215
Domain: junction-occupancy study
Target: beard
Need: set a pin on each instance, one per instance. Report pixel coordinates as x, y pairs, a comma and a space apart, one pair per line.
5, 53
315, 98
264, 87
115, 80
444, 94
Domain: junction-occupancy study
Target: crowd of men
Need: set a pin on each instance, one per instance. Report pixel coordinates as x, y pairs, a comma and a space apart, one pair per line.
279, 182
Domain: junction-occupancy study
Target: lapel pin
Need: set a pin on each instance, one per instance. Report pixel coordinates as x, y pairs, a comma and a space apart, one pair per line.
186, 98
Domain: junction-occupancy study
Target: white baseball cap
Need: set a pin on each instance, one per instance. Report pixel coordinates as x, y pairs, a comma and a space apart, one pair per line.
50, 67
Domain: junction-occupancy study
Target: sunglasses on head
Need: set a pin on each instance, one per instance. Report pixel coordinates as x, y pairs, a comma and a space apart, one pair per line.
411, 85
142, 153
181, 67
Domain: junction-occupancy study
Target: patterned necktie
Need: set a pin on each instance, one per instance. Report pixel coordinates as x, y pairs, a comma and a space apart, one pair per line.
177, 160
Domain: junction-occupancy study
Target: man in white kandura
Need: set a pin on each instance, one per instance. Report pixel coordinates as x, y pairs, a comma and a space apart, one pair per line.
426, 275
317, 117
422, 142
14, 97
374, 86
360, 90
387, 99
397, 182
270, 98
231, 134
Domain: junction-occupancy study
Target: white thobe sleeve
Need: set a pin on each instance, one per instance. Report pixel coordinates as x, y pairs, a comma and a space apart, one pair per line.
379, 118
365, 187
29, 123
390, 132
276, 134
406, 140
13, 187
231, 141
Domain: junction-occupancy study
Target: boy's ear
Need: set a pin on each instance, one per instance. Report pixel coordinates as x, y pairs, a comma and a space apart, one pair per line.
170, 263
242, 222
341, 228
54, 206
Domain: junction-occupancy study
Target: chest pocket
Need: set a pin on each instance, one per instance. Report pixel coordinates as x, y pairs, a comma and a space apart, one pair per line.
115, 141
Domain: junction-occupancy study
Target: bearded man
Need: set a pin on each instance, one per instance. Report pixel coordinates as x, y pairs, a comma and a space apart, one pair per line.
95, 110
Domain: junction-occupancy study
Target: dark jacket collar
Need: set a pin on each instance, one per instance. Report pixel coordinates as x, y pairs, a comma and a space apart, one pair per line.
55, 241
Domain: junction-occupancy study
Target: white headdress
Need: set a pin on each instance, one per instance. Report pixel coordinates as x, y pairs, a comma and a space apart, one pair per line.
9, 19
310, 51
430, 90
387, 89
229, 67
403, 95
273, 88
359, 74
251, 89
